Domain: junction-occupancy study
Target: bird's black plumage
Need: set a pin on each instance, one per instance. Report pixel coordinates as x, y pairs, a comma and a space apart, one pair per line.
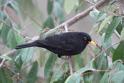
64, 44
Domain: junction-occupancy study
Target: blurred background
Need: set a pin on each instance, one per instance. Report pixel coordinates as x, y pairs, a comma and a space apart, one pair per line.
24, 20
36, 12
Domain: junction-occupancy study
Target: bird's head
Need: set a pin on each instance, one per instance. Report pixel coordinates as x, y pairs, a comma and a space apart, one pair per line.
86, 37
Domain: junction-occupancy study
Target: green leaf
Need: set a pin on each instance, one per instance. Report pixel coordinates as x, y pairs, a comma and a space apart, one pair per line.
117, 65
78, 61
69, 5
90, 75
49, 23
49, 66
18, 64
104, 24
94, 13
32, 75
105, 78
119, 52
28, 9
101, 62
49, 6
119, 28
114, 74
94, 77
14, 5
5, 76
19, 39
75, 78
118, 77
59, 76
122, 34
4, 32
11, 41
107, 43
60, 72
2, 15
2, 2
112, 26
5, 57
25, 54
50, 33
58, 11
97, 15
61, 2
1, 26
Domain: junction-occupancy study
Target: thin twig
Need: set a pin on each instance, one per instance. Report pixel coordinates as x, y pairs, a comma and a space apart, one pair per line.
90, 2
70, 64
95, 70
6, 54
69, 57
66, 28
105, 50
2, 62
116, 33
107, 70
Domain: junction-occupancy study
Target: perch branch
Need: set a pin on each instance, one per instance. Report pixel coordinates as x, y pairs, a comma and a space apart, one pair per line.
70, 64
69, 57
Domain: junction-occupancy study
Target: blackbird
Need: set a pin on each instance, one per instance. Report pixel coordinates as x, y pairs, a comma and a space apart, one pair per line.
64, 44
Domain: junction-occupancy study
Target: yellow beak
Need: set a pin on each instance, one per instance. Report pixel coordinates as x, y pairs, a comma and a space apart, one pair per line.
93, 43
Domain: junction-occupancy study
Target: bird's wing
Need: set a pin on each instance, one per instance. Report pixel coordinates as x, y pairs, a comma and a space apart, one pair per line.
60, 42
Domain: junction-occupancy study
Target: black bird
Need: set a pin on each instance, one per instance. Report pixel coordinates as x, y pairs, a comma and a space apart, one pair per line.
64, 44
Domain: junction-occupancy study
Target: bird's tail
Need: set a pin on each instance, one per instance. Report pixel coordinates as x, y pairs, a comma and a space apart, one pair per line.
26, 45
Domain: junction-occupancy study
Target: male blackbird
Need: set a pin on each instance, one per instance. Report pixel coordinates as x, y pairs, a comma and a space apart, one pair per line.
64, 44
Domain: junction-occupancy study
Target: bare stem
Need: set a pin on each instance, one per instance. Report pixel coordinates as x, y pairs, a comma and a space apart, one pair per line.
6, 54
70, 64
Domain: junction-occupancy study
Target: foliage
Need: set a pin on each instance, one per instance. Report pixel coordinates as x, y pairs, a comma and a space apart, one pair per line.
33, 64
